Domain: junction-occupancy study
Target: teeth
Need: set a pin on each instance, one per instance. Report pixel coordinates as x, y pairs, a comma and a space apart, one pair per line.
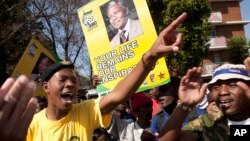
68, 97
224, 101
68, 93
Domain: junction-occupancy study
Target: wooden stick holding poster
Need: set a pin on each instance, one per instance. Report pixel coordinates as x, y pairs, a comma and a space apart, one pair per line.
117, 35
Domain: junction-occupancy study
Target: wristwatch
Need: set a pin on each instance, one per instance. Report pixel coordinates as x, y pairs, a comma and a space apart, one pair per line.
183, 107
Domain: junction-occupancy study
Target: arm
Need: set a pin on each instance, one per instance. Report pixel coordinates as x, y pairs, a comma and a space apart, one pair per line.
168, 41
189, 95
16, 108
153, 125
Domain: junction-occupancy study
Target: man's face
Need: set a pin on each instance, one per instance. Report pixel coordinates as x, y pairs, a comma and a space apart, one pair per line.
62, 89
230, 98
117, 15
166, 101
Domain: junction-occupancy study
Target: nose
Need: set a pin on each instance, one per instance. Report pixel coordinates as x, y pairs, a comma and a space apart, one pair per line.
70, 83
223, 90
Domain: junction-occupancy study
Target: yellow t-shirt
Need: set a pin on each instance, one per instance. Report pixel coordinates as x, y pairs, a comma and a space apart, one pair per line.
78, 125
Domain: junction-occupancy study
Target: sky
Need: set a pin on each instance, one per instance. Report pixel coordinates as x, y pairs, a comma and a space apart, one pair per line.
245, 14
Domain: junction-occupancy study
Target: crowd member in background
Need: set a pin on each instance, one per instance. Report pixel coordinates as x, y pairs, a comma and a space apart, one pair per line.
122, 111
129, 130
17, 108
101, 134
41, 103
168, 96
230, 89
95, 81
154, 92
79, 98
60, 85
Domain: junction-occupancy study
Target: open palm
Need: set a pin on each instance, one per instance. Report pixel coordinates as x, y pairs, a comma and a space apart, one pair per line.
190, 93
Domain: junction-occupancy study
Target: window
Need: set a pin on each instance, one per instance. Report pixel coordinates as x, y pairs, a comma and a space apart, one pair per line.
217, 58
213, 32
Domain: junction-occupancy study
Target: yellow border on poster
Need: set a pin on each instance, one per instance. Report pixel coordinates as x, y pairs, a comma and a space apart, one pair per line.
113, 64
29, 59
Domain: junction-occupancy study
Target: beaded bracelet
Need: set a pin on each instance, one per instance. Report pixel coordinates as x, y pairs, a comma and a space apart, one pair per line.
183, 107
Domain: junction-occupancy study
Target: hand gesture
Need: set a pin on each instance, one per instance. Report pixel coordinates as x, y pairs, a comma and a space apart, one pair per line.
95, 80
244, 86
190, 93
247, 64
169, 40
16, 108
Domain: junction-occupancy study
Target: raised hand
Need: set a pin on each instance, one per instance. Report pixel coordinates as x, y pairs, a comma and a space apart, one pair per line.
247, 64
95, 80
168, 40
17, 108
190, 93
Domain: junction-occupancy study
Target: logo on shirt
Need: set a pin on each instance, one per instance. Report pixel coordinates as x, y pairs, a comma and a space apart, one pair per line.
74, 138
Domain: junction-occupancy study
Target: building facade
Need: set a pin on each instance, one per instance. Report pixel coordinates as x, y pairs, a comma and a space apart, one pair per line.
226, 21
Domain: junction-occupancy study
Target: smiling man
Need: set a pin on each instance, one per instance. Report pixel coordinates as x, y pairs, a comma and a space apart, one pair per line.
230, 90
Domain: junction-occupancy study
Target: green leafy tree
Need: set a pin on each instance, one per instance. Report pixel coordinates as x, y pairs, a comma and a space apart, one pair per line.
248, 43
196, 29
238, 49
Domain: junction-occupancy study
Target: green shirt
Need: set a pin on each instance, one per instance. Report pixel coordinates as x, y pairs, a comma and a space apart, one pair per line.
209, 128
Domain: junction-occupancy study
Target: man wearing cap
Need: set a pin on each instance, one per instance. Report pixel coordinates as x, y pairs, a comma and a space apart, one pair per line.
230, 90
63, 121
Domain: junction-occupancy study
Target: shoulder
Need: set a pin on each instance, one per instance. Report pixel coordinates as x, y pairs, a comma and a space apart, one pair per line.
198, 123
40, 114
38, 117
134, 21
87, 104
203, 121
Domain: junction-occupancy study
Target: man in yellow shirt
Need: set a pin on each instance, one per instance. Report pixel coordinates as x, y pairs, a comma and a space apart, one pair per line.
63, 121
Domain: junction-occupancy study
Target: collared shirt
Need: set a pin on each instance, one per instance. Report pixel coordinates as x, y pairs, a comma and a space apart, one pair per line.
125, 130
126, 28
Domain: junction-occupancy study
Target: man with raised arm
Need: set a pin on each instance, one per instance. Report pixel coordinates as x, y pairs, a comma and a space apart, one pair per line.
63, 121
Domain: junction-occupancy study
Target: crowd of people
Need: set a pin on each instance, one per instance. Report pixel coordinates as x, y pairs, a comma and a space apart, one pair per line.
123, 114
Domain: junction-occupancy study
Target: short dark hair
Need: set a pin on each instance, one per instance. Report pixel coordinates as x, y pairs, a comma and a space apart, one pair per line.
98, 132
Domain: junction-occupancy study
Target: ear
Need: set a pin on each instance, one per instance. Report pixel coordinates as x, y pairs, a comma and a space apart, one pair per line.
45, 87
